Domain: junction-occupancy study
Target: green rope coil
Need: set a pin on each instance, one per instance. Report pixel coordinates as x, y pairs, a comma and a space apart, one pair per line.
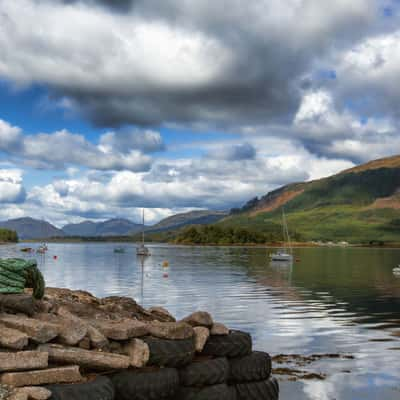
17, 274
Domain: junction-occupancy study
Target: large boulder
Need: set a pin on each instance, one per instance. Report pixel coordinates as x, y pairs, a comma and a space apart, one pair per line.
199, 318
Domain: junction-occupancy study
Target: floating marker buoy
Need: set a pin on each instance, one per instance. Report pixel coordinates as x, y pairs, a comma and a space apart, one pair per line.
165, 264
55, 257
165, 275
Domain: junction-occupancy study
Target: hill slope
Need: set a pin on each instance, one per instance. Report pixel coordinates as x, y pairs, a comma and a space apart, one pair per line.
201, 217
29, 228
361, 204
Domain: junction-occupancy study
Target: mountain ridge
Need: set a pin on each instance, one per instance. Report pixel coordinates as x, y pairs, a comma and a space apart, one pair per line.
30, 228
358, 204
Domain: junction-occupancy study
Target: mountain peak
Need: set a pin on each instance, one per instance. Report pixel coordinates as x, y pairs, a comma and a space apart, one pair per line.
30, 228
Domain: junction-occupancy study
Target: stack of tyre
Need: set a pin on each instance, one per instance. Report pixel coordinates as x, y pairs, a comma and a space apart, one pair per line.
226, 369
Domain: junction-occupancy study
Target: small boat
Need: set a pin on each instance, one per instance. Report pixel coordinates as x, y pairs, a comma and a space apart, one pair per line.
27, 249
42, 249
281, 255
285, 254
142, 250
396, 270
119, 250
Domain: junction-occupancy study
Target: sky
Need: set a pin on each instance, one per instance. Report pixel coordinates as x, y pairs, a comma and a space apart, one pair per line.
110, 106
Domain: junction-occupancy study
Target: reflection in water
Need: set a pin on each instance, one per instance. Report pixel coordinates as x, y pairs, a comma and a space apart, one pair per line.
334, 300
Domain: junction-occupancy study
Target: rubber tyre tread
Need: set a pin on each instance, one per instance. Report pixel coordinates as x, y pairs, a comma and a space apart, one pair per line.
170, 353
253, 367
146, 385
215, 392
205, 373
236, 344
99, 389
262, 390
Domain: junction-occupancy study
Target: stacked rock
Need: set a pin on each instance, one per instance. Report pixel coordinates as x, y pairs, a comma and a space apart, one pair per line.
74, 346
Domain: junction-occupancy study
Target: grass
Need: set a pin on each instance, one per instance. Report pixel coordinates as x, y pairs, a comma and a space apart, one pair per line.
330, 223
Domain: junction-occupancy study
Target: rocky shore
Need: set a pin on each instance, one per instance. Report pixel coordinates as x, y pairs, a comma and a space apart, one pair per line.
72, 345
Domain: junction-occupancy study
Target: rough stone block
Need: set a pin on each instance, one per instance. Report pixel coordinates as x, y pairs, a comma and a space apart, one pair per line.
96, 360
120, 330
138, 352
219, 329
23, 360
12, 338
170, 330
69, 374
201, 335
39, 331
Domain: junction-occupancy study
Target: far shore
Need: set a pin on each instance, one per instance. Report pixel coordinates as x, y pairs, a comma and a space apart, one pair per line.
260, 245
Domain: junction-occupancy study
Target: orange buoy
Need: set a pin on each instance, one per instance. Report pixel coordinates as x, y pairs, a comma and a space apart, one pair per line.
165, 264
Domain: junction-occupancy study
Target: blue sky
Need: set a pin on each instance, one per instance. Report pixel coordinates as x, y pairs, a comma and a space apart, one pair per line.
107, 107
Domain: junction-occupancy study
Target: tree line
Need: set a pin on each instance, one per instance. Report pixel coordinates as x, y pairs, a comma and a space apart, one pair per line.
7, 235
212, 234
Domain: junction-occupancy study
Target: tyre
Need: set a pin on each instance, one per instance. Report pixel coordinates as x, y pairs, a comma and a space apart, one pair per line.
99, 389
253, 367
215, 392
236, 344
205, 373
170, 353
262, 390
146, 385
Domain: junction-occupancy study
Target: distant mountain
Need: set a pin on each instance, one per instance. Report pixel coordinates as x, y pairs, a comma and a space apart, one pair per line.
201, 217
85, 228
361, 204
29, 228
111, 227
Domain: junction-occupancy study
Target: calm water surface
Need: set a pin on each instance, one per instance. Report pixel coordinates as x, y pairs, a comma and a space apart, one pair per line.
333, 300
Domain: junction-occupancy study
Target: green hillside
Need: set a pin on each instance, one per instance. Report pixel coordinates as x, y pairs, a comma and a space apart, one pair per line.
358, 205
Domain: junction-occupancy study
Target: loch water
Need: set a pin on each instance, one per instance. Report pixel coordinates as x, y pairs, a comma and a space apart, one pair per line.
333, 300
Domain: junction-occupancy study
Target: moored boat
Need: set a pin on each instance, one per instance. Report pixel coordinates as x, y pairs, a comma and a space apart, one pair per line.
142, 250
285, 254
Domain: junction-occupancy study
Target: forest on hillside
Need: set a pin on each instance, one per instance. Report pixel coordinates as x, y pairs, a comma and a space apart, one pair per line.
214, 234
8, 236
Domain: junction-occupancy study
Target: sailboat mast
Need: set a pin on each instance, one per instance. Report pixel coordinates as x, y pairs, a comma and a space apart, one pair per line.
283, 228
286, 230
143, 226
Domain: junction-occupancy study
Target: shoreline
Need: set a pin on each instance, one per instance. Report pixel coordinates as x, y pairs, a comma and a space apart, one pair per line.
272, 245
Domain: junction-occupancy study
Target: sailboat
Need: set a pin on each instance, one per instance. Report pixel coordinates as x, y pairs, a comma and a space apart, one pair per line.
142, 250
285, 254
